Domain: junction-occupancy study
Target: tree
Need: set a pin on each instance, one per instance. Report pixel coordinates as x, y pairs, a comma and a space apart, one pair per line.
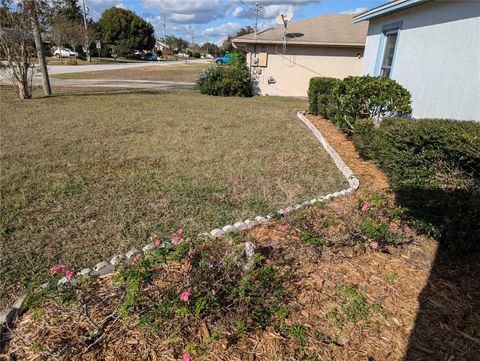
33, 12
177, 44
17, 47
210, 48
126, 31
89, 34
227, 44
59, 31
244, 31
69, 9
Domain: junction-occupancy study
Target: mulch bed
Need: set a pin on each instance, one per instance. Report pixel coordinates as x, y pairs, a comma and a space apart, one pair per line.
413, 313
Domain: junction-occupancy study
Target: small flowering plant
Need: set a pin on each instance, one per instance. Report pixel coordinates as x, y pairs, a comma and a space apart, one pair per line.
381, 222
207, 285
62, 268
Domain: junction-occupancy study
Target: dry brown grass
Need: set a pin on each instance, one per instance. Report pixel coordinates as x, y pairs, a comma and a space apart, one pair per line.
87, 174
387, 287
181, 73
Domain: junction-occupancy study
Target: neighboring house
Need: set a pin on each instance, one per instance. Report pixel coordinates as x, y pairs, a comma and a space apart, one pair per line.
432, 48
160, 45
327, 45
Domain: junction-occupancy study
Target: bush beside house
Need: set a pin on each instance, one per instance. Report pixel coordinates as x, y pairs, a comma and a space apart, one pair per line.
357, 97
320, 95
228, 80
433, 165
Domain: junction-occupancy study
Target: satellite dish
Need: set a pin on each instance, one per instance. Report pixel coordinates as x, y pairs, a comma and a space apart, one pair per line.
283, 19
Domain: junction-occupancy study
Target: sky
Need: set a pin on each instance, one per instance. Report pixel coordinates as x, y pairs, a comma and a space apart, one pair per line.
213, 20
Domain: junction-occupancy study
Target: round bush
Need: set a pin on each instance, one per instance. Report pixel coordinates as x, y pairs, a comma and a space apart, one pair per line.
227, 80
359, 97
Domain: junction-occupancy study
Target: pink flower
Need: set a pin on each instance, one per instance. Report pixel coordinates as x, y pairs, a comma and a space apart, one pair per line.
158, 243
186, 356
407, 229
176, 240
268, 261
185, 295
284, 228
285, 213
180, 232
188, 239
57, 268
242, 274
69, 274
374, 245
365, 207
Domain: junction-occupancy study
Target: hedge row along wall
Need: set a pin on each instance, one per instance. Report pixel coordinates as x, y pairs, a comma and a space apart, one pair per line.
434, 168
357, 97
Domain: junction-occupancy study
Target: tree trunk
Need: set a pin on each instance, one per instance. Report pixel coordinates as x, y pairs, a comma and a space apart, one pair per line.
24, 90
47, 90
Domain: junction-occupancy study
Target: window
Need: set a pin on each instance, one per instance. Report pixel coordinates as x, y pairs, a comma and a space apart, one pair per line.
390, 42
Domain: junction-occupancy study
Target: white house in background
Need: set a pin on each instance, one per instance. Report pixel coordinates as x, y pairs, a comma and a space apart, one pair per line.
432, 48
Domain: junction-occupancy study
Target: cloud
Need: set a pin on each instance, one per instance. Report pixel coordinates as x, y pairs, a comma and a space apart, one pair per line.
97, 7
222, 30
188, 11
354, 11
270, 8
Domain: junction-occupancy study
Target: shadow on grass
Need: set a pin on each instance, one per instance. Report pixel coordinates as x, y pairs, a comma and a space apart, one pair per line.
447, 325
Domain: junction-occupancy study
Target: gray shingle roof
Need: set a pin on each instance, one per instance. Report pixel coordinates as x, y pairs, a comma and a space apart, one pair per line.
330, 29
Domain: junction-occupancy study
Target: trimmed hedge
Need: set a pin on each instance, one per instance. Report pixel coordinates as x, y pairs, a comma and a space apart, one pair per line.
434, 167
357, 97
319, 95
227, 80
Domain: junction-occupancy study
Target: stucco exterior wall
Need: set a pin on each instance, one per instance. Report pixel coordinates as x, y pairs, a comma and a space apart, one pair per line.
292, 71
437, 57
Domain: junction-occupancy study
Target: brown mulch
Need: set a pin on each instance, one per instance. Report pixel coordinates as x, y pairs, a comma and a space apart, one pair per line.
422, 313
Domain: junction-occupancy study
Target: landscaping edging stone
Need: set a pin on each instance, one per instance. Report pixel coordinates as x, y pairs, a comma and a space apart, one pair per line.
10, 314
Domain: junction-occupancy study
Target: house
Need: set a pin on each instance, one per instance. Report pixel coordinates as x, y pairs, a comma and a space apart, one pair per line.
282, 61
430, 47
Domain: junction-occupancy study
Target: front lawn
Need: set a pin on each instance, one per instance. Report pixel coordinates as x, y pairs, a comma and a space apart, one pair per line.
173, 72
87, 174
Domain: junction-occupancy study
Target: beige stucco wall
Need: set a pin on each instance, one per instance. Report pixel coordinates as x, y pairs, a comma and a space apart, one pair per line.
292, 71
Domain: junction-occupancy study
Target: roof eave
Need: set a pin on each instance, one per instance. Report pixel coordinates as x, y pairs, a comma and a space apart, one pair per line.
386, 9
293, 42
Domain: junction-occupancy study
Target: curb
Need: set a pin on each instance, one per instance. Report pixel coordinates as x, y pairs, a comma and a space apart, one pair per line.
10, 314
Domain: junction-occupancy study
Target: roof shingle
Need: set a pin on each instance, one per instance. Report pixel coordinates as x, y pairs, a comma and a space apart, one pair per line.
330, 29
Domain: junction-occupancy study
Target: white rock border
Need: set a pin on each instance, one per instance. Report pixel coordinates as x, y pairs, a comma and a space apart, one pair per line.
9, 315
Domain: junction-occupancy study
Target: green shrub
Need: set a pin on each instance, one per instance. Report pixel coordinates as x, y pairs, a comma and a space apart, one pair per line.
358, 97
434, 168
228, 80
320, 95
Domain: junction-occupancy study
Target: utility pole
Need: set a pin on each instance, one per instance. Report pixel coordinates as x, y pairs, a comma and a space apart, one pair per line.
32, 7
165, 28
87, 50
165, 33
258, 7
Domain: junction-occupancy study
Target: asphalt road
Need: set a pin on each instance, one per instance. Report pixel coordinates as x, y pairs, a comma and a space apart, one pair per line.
63, 69
109, 83
117, 83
